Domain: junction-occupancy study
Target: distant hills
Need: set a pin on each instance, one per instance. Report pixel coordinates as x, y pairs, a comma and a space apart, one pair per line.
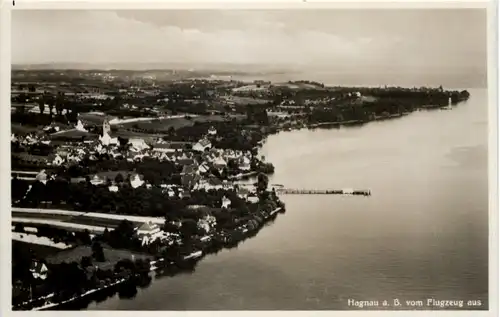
339, 75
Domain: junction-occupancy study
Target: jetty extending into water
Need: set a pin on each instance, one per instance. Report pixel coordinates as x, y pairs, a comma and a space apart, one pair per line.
297, 191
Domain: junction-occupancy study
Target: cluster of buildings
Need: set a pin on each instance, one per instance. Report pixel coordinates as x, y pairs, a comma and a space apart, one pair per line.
197, 164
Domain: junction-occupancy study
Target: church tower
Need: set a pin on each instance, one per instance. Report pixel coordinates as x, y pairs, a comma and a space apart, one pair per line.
106, 128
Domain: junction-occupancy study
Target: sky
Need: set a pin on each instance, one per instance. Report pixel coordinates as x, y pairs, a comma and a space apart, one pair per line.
437, 42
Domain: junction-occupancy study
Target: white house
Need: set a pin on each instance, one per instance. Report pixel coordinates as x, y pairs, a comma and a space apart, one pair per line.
138, 144
244, 164
212, 131
219, 162
39, 270
136, 181
252, 198
225, 202
42, 177
149, 232
202, 145
203, 168
106, 139
207, 223
58, 160
97, 180
80, 127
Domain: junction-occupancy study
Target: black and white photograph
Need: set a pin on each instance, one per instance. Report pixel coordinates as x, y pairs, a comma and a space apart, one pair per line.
252, 159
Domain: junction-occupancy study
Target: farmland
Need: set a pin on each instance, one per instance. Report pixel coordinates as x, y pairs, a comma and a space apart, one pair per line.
41, 251
112, 256
164, 125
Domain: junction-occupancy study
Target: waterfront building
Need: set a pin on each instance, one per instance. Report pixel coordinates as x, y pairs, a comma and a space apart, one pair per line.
148, 232
244, 164
211, 183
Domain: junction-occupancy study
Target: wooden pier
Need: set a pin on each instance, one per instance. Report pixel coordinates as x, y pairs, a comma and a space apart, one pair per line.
296, 191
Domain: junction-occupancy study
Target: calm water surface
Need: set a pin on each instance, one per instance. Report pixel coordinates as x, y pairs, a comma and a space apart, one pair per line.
423, 233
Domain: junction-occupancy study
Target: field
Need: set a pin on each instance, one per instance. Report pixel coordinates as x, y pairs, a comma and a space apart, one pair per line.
163, 125
41, 251
71, 226
242, 101
19, 129
297, 86
93, 117
72, 220
34, 239
112, 256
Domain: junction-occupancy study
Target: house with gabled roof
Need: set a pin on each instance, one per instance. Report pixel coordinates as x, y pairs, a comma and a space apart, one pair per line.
190, 181
136, 180
242, 192
186, 161
39, 270
42, 177
202, 145
98, 180
226, 202
138, 144
57, 160
203, 168
211, 183
149, 232
189, 169
244, 163
212, 131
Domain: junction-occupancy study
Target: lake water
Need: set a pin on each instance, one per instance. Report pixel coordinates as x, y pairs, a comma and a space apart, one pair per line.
422, 234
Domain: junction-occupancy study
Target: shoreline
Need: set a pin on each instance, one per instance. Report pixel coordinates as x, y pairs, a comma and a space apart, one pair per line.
337, 124
225, 239
242, 233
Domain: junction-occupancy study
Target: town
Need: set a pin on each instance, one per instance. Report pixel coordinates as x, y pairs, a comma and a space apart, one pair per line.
119, 173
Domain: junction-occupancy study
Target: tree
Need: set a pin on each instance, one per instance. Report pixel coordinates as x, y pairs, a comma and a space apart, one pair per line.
85, 236
51, 107
58, 102
86, 261
21, 109
98, 252
19, 227
119, 178
262, 182
41, 104
123, 141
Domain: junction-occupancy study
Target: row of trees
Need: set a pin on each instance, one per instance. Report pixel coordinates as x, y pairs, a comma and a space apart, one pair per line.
87, 197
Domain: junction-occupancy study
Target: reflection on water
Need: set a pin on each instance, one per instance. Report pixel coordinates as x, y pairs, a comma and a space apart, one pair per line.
422, 234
